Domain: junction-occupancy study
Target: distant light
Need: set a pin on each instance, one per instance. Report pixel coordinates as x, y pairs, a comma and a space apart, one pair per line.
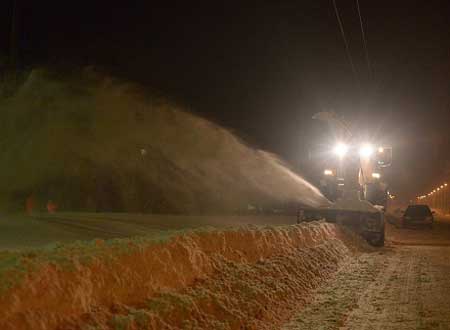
340, 149
328, 172
438, 188
380, 150
445, 184
442, 187
366, 151
376, 175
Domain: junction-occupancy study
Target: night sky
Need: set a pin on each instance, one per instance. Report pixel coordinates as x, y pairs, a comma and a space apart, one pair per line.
264, 68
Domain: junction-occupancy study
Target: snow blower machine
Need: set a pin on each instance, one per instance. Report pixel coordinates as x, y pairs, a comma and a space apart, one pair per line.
353, 180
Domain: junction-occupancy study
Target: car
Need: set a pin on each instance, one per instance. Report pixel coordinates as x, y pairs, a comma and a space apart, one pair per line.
418, 215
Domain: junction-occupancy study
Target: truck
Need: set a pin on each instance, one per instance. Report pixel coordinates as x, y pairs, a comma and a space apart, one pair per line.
354, 182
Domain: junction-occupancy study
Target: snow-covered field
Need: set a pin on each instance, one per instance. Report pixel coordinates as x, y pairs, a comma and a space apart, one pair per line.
21, 231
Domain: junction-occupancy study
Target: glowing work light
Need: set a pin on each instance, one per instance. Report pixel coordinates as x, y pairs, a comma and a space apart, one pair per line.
366, 151
340, 149
376, 175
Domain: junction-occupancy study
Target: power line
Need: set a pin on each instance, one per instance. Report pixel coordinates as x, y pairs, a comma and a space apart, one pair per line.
346, 43
364, 40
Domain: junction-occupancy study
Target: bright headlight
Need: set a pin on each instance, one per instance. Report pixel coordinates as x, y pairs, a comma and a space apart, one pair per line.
328, 172
366, 150
376, 175
340, 149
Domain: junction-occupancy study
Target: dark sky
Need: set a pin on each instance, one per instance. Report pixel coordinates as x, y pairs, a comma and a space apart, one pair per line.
263, 68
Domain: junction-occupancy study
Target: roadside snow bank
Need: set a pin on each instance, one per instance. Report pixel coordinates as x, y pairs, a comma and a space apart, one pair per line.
209, 279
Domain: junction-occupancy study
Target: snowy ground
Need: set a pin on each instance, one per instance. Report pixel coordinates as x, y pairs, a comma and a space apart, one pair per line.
21, 231
248, 277
402, 286
311, 276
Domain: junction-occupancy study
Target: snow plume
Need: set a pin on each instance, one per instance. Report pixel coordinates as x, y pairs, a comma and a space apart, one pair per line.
91, 142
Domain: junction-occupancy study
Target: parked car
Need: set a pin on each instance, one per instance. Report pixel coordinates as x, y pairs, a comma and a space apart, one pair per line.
418, 215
